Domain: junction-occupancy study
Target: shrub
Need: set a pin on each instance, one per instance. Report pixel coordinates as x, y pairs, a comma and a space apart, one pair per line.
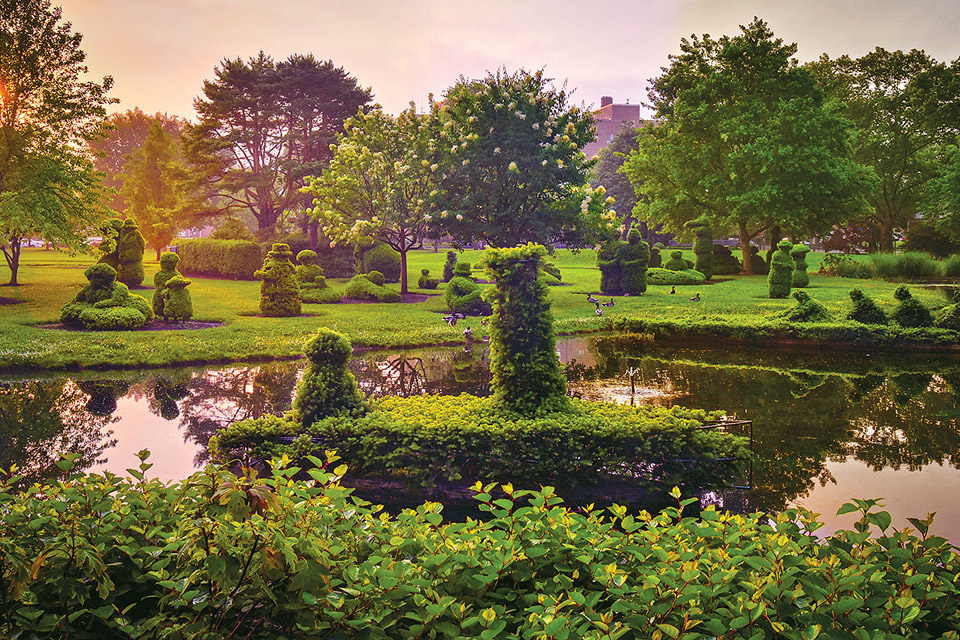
319, 293
549, 279
656, 260
905, 266
111, 318
926, 237
104, 304
724, 262
611, 277
168, 269
702, 246
425, 281
845, 266
463, 270
376, 278
307, 269
279, 289
781, 271
865, 310
634, 256
910, 312
231, 229
676, 262
385, 259
757, 263
448, 265
951, 267
949, 317
110, 235
551, 268
806, 310
675, 278
801, 278
178, 305
130, 246
328, 388
465, 296
361, 287
235, 259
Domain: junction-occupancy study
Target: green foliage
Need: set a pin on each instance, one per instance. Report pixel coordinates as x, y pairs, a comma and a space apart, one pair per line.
168, 269
845, 266
524, 369
328, 388
634, 256
449, 265
279, 289
676, 262
611, 278
757, 265
675, 278
237, 259
130, 246
362, 287
551, 268
949, 318
232, 229
105, 305
110, 234
910, 312
724, 262
806, 310
865, 310
463, 269
178, 306
465, 296
606, 173
928, 237
904, 266
383, 258
376, 278
656, 260
425, 281
951, 267
781, 271
801, 278
307, 269
702, 246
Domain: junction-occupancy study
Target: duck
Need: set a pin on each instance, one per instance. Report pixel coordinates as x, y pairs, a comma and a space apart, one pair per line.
673, 290
591, 299
450, 320
695, 298
468, 334
608, 304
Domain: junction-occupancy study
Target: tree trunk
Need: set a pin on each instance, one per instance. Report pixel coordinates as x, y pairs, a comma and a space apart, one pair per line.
13, 261
403, 272
886, 236
313, 228
159, 250
745, 249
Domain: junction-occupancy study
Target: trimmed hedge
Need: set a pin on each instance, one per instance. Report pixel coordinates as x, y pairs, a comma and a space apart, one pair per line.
677, 278
234, 259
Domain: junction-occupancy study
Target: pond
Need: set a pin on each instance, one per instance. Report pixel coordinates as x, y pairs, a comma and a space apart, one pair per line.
827, 426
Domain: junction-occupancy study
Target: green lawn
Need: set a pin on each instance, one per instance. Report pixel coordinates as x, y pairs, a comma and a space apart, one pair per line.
50, 279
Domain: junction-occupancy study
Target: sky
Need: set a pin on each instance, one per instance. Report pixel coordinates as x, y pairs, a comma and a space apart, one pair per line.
159, 52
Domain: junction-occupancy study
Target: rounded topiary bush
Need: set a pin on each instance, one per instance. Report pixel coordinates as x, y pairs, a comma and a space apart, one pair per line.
328, 388
910, 312
674, 278
361, 287
385, 259
448, 265
376, 278
279, 289
130, 246
676, 262
806, 310
656, 260
865, 310
465, 296
780, 278
425, 281
307, 269
801, 278
110, 235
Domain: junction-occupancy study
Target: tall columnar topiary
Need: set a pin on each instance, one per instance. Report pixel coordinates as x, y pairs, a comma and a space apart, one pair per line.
280, 290
608, 261
801, 278
634, 258
168, 269
865, 310
130, 248
328, 388
106, 304
178, 306
676, 262
702, 246
910, 312
449, 265
525, 370
781, 271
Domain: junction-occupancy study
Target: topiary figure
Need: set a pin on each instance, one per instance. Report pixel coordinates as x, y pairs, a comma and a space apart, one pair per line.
807, 310
656, 260
363, 286
949, 318
465, 296
674, 278
801, 278
105, 304
168, 269
608, 261
177, 303
279, 289
781, 271
724, 262
463, 270
385, 259
525, 370
307, 269
130, 246
110, 234
865, 310
676, 262
448, 266
634, 257
425, 281
758, 265
328, 388
702, 246
910, 312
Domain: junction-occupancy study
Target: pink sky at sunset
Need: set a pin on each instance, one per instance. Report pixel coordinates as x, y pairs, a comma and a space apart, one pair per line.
160, 52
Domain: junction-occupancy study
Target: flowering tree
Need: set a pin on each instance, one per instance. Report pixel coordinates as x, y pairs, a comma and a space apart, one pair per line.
379, 185
510, 163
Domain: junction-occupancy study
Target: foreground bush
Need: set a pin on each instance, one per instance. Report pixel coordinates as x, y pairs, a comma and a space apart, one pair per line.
220, 556
236, 259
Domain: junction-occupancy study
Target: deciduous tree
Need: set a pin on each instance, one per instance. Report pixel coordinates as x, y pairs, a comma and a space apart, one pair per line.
606, 172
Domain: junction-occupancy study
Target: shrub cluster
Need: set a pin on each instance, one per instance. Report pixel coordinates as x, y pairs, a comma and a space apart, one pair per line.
235, 259
780, 277
279, 289
845, 266
385, 259
623, 265
904, 266
105, 305
676, 278
757, 263
425, 281
463, 269
465, 296
369, 286
676, 262
949, 318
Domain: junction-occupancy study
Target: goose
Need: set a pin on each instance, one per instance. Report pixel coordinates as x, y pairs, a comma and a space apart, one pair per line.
591, 299
599, 310
450, 320
608, 304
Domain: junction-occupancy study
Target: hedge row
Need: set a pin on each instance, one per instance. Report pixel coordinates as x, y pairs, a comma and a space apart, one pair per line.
236, 259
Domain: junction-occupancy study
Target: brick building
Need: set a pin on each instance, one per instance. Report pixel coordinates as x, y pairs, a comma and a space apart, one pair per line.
610, 118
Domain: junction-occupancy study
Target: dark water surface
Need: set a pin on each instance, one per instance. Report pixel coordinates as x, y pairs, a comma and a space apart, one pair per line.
828, 425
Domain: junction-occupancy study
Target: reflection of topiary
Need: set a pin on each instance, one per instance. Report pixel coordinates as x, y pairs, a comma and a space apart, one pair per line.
279, 289
177, 305
168, 269
702, 246
807, 310
781, 271
676, 262
448, 265
361, 287
328, 388
634, 257
611, 281
425, 281
525, 370
800, 276
385, 259
465, 296
865, 310
910, 312
724, 262
949, 318
130, 248
105, 304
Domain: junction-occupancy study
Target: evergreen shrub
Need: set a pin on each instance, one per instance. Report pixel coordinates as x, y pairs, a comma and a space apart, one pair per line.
168, 269
702, 246
674, 278
425, 281
806, 310
234, 259
130, 247
465, 296
361, 287
104, 304
313, 283
676, 262
865, 310
949, 317
724, 262
178, 306
328, 387
279, 289
904, 266
463, 270
448, 265
801, 278
910, 312
385, 259
780, 277
307, 269
376, 278
634, 256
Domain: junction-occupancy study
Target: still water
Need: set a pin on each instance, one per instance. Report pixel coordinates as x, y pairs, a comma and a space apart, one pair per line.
826, 426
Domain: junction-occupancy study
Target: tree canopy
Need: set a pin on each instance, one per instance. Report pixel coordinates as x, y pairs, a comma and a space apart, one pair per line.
265, 125
606, 172
745, 138
510, 165
48, 187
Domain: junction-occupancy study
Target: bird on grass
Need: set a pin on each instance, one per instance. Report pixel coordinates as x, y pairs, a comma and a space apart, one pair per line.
673, 290
468, 334
695, 298
608, 304
591, 299
599, 310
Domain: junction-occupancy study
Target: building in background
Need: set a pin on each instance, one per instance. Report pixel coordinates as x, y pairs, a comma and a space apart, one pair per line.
610, 118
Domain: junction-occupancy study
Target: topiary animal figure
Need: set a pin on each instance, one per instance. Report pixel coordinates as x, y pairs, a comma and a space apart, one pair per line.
465, 296
801, 278
724, 262
130, 247
106, 304
806, 310
634, 257
910, 312
279, 289
702, 246
865, 310
363, 286
676, 262
178, 305
781, 271
949, 318
448, 266
425, 281
168, 269
110, 234
328, 388
608, 261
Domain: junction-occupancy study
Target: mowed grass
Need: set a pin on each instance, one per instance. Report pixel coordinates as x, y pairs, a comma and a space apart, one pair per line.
50, 279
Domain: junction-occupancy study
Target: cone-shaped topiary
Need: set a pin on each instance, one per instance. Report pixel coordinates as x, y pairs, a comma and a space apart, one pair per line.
724, 262
448, 265
608, 261
168, 269
525, 370
676, 262
130, 248
106, 304
910, 312
781, 271
425, 281
177, 303
807, 310
801, 278
465, 296
634, 258
865, 310
702, 246
328, 388
279, 289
